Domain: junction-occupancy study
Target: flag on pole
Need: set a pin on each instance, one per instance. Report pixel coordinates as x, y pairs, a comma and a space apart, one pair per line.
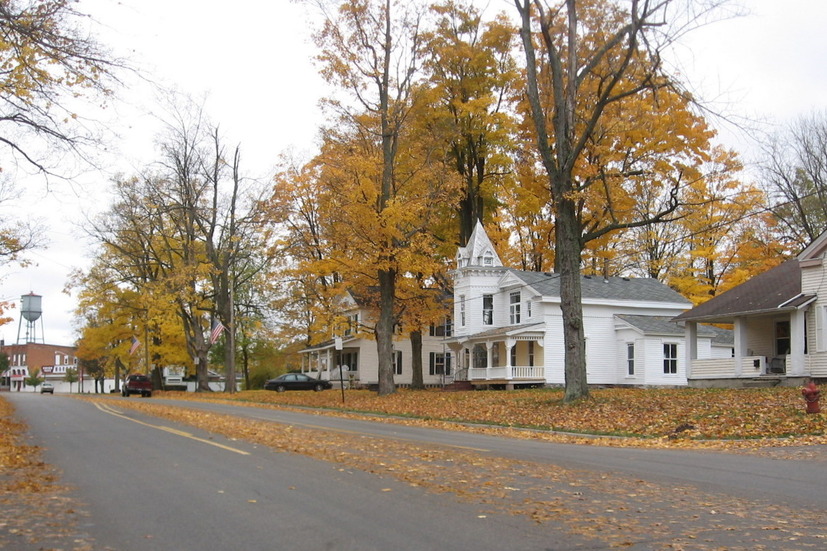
135, 344
217, 329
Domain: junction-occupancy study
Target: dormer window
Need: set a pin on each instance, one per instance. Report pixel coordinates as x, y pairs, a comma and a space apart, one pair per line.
488, 259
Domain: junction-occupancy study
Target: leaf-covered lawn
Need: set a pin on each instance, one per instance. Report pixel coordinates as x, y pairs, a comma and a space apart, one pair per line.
652, 413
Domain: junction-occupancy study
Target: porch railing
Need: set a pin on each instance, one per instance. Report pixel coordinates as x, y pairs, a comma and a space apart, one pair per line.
718, 368
516, 372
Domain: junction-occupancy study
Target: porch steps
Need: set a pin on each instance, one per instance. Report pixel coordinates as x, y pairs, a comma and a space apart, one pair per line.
762, 382
457, 386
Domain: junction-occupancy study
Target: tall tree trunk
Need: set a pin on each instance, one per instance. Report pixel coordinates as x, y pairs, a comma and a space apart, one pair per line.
567, 258
118, 366
202, 372
384, 331
417, 380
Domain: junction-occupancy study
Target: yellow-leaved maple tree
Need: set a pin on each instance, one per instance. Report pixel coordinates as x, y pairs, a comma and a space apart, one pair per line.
591, 69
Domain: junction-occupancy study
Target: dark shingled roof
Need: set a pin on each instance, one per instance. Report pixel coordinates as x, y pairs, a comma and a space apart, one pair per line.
766, 292
613, 288
665, 325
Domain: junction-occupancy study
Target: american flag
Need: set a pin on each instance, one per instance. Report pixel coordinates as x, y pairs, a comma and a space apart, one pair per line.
217, 329
135, 344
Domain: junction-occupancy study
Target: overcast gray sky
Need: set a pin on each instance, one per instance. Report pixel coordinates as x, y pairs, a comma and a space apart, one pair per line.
252, 59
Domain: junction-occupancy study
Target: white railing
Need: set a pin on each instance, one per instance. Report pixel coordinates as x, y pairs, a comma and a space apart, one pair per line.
528, 372
517, 372
713, 368
724, 368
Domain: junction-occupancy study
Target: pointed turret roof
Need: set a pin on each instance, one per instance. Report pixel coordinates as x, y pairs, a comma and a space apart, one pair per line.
478, 251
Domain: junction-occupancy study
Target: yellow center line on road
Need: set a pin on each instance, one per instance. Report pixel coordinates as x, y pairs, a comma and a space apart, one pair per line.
112, 411
358, 433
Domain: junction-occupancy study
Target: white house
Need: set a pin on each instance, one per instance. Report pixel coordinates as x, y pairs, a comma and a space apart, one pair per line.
356, 351
780, 325
508, 326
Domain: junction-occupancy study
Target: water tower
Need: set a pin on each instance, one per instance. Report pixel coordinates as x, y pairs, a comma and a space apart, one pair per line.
30, 311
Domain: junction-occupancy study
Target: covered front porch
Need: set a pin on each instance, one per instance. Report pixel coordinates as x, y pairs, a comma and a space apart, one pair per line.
770, 349
323, 361
506, 357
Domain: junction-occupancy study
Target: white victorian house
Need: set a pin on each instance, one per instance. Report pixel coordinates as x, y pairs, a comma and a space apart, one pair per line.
780, 325
508, 326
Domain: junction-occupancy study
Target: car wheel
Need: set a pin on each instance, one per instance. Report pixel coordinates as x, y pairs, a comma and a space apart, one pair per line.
280, 388
318, 387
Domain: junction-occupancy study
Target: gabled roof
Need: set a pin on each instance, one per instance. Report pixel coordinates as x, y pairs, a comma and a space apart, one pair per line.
612, 288
776, 290
663, 325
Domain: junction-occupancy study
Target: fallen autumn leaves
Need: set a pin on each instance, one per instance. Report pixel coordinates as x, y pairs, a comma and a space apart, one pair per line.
669, 415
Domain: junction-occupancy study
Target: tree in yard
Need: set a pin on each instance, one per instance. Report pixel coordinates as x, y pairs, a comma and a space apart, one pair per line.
34, 381
304, 287
371, 49
716, 221
71, 376
472, 79
591, 68
794, 175
183, 239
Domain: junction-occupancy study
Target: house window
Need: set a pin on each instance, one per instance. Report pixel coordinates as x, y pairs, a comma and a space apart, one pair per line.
514, 355
488, 309
443, 330
670, 358
352, 324
397, 362
488, 259
630, 358
782, 338
531, 353
462, 310
480, 356
514, 307
440, 363
528, 309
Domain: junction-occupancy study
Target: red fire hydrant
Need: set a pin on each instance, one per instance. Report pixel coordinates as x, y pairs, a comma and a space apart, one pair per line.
810, 393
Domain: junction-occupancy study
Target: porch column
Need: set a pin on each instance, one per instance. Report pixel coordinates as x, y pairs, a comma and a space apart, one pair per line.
691, 350
796, 344
509, 344
740, 330
489, 361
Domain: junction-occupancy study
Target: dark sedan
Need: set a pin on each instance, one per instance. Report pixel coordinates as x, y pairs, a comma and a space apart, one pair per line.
295, 381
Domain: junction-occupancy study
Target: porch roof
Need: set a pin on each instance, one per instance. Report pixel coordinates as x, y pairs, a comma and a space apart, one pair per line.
666, 326
327, 345
776, 290
509, 331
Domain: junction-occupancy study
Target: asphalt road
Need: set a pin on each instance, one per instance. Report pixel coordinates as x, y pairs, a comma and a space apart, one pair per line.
151, 484
795, 483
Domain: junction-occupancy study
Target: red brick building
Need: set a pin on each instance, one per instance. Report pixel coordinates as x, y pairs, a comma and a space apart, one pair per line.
48, 361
